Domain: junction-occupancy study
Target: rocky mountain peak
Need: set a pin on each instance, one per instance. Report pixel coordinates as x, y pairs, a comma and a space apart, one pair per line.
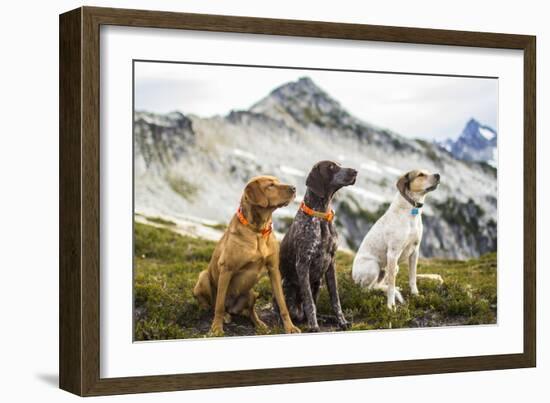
471, 128
303, 91
304, 102
477, 142
477, 132
303, 84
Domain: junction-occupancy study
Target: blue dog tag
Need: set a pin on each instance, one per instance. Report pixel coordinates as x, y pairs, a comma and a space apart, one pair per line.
414, 211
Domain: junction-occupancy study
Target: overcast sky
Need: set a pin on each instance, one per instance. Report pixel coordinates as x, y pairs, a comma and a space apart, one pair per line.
428, 107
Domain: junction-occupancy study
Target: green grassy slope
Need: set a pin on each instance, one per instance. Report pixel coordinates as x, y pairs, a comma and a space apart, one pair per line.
167, 266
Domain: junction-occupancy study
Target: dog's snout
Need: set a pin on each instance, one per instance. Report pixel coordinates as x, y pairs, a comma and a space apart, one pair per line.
292, 188
437, 176
351, 173
350, 176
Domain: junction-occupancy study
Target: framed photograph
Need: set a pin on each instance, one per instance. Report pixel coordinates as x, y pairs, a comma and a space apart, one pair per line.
238, 195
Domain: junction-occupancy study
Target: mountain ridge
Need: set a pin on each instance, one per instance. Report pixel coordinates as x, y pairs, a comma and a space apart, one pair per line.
191, 168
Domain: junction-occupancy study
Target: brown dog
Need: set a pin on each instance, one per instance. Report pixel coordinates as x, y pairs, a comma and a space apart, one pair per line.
246, 248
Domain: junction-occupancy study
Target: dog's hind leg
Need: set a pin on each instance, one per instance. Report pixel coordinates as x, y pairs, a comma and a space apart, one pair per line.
366, 271
253, 314
293, 301
203, 290
330, 278
315, 289
248, 309
296, 309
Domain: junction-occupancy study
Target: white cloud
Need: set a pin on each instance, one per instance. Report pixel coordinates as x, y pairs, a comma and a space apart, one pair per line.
415, 106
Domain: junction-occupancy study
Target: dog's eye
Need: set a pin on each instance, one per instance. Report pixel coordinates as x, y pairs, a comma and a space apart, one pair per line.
421, 175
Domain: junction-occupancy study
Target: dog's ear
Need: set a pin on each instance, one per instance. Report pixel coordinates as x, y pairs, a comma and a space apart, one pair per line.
254, 194
316, 182
403, 183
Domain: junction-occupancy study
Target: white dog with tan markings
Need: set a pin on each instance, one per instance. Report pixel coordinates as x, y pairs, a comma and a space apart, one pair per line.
395, 238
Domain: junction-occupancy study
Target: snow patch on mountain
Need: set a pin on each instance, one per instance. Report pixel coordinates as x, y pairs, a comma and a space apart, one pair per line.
488, 134
292, 171
372, 167
392, 170
369, 195
244, 154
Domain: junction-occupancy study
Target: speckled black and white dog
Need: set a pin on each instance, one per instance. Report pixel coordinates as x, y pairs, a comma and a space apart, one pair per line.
308, 249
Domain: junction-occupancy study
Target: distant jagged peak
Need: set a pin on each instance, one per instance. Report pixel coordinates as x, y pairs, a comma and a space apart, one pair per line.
472, 123
304, 88
475, 129
303, 99
302, 84
476, 142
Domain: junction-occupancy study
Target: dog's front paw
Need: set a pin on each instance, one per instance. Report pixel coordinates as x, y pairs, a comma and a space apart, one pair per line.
227, 318
261, 326
414, 291
290, 328
216, 330
313, 329
343, 324
399, 297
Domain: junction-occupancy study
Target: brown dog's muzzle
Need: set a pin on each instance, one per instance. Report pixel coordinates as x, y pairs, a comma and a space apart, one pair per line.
287, 194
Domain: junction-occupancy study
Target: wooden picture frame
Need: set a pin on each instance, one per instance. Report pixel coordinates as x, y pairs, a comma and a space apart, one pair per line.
79, 346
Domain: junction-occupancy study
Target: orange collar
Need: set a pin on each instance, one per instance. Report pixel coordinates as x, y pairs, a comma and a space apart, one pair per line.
309, 211
265, 231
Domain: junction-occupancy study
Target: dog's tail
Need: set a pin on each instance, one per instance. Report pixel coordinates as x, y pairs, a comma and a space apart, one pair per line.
434, 277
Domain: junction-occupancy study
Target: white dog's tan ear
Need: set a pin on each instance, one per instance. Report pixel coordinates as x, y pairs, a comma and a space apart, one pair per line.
254, 194
403, 183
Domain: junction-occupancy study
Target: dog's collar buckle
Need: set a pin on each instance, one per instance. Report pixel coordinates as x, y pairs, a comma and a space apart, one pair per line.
328, 216
264, 231
416, 205
415, 211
